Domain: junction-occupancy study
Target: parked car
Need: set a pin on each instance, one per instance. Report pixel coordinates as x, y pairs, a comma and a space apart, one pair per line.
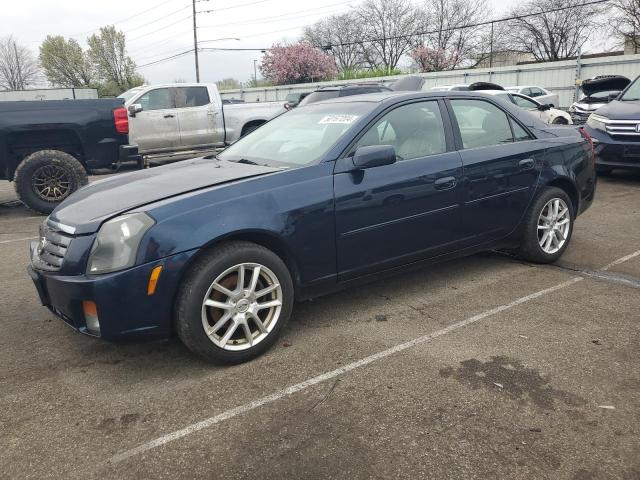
294, 99
541, 95
326, 93
598, 92
546, 113
216, 249
615, 130
449, 88
165, 119
46, 147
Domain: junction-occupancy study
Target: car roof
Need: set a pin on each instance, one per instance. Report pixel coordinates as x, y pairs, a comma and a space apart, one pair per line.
353, 85
381, 97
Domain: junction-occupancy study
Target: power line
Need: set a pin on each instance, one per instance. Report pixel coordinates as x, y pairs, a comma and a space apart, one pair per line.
156, 20
188, 17
235, 6
165, 59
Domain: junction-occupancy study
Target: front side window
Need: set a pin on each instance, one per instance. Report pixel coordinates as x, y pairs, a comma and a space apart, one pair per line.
414, 130
158, 99
191, 97
481, 123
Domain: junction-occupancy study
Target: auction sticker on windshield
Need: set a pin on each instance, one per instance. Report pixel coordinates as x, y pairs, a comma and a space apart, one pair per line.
346, 119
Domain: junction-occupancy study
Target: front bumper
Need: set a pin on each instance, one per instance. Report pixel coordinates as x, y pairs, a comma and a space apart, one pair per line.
612, 153
123, 307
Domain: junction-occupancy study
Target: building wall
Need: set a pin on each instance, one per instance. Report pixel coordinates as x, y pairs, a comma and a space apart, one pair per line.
49, 94
559, 77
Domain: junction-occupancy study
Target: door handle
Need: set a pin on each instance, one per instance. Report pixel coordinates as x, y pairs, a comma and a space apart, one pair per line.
168, 115
526, 164
445, 183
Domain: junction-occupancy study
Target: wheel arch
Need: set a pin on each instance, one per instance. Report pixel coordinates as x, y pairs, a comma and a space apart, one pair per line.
569, 187
251, 124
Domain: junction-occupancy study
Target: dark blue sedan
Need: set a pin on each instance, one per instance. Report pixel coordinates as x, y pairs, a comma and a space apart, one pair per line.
328, 195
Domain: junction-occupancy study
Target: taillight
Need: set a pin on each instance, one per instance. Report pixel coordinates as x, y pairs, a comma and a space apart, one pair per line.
589, 139
121, 120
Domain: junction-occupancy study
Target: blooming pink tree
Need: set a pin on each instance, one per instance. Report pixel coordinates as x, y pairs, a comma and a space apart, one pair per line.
297, 63
434, 59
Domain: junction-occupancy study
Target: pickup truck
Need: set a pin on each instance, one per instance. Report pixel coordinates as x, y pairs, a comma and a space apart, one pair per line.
46, 147
173, 118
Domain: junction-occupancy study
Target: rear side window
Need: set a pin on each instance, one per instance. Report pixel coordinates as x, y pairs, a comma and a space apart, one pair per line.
191, 97
481, 123
536, 92
519, 133
158, 99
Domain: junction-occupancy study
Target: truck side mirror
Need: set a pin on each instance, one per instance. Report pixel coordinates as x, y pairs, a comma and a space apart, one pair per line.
134, 108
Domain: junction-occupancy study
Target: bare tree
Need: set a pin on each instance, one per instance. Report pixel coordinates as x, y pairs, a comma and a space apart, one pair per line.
389, 28
452, 32
627, 20
18, 67
555, 29
340, 33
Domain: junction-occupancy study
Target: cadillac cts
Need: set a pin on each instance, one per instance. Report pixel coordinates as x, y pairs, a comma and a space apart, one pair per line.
215, 250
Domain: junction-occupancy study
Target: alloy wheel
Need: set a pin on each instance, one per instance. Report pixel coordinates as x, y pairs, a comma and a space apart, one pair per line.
51, 183
554, 224
242, 306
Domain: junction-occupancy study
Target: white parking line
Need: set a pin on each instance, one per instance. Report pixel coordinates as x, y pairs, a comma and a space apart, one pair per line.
234, 412
17, 240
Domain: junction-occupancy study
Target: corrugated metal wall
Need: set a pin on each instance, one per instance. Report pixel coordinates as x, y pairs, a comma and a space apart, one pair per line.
559, 77
49, 94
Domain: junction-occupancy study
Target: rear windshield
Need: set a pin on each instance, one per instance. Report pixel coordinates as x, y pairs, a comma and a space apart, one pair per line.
319, 96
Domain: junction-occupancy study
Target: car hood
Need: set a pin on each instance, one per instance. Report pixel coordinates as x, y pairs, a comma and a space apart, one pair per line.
613, 82
86, 209
618, 110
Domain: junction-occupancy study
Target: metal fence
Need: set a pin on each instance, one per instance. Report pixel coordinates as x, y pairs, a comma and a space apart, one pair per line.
559, 77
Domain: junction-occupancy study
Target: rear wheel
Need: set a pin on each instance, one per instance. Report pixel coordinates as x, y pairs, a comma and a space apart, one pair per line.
45, 178
548, 227
560, 121
234, 302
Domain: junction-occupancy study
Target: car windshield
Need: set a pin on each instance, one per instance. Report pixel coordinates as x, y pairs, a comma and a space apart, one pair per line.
298, 138
129, 94
632, 93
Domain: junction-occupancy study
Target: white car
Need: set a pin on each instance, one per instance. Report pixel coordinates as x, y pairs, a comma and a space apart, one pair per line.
447, 88
540, 94
549, 115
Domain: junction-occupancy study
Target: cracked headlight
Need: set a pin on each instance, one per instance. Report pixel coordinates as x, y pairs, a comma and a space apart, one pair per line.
116, 245
597, 122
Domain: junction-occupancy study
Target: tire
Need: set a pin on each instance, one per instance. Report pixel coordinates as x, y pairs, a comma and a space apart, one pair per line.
220, 265
531, 249
48, 165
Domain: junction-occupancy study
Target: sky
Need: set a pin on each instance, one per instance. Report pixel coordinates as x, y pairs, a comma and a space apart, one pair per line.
156, 29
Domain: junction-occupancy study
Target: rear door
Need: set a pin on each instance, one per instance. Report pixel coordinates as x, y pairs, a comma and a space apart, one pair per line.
501, 161
155, 128
199, 117
394, 214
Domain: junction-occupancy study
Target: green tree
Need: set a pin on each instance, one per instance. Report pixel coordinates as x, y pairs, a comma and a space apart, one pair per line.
115, 69
228, 84
64, 63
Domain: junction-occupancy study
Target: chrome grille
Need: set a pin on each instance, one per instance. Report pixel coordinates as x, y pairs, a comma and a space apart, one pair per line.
629, 128
51, 248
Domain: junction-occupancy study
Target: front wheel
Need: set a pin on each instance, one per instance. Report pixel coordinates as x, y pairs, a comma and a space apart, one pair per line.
234, 302
548, 227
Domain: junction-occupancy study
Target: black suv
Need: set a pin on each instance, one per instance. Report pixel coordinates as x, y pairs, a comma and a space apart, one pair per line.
343, 91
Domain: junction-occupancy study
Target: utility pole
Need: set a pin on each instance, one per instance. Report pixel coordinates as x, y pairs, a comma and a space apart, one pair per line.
255, 72
195, 42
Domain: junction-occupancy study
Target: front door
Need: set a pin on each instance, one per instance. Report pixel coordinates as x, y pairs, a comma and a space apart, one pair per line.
199, 117
501, 163
394, 214
155, 128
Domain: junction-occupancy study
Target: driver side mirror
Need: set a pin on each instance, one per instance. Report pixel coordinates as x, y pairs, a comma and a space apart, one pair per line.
544, 107
374, 156
134, 108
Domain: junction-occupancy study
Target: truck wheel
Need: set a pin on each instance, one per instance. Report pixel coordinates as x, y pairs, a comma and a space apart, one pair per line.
548, 226
234, 302
45, 178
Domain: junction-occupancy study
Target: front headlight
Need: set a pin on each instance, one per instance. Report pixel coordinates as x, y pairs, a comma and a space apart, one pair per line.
116, 245
597, 122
